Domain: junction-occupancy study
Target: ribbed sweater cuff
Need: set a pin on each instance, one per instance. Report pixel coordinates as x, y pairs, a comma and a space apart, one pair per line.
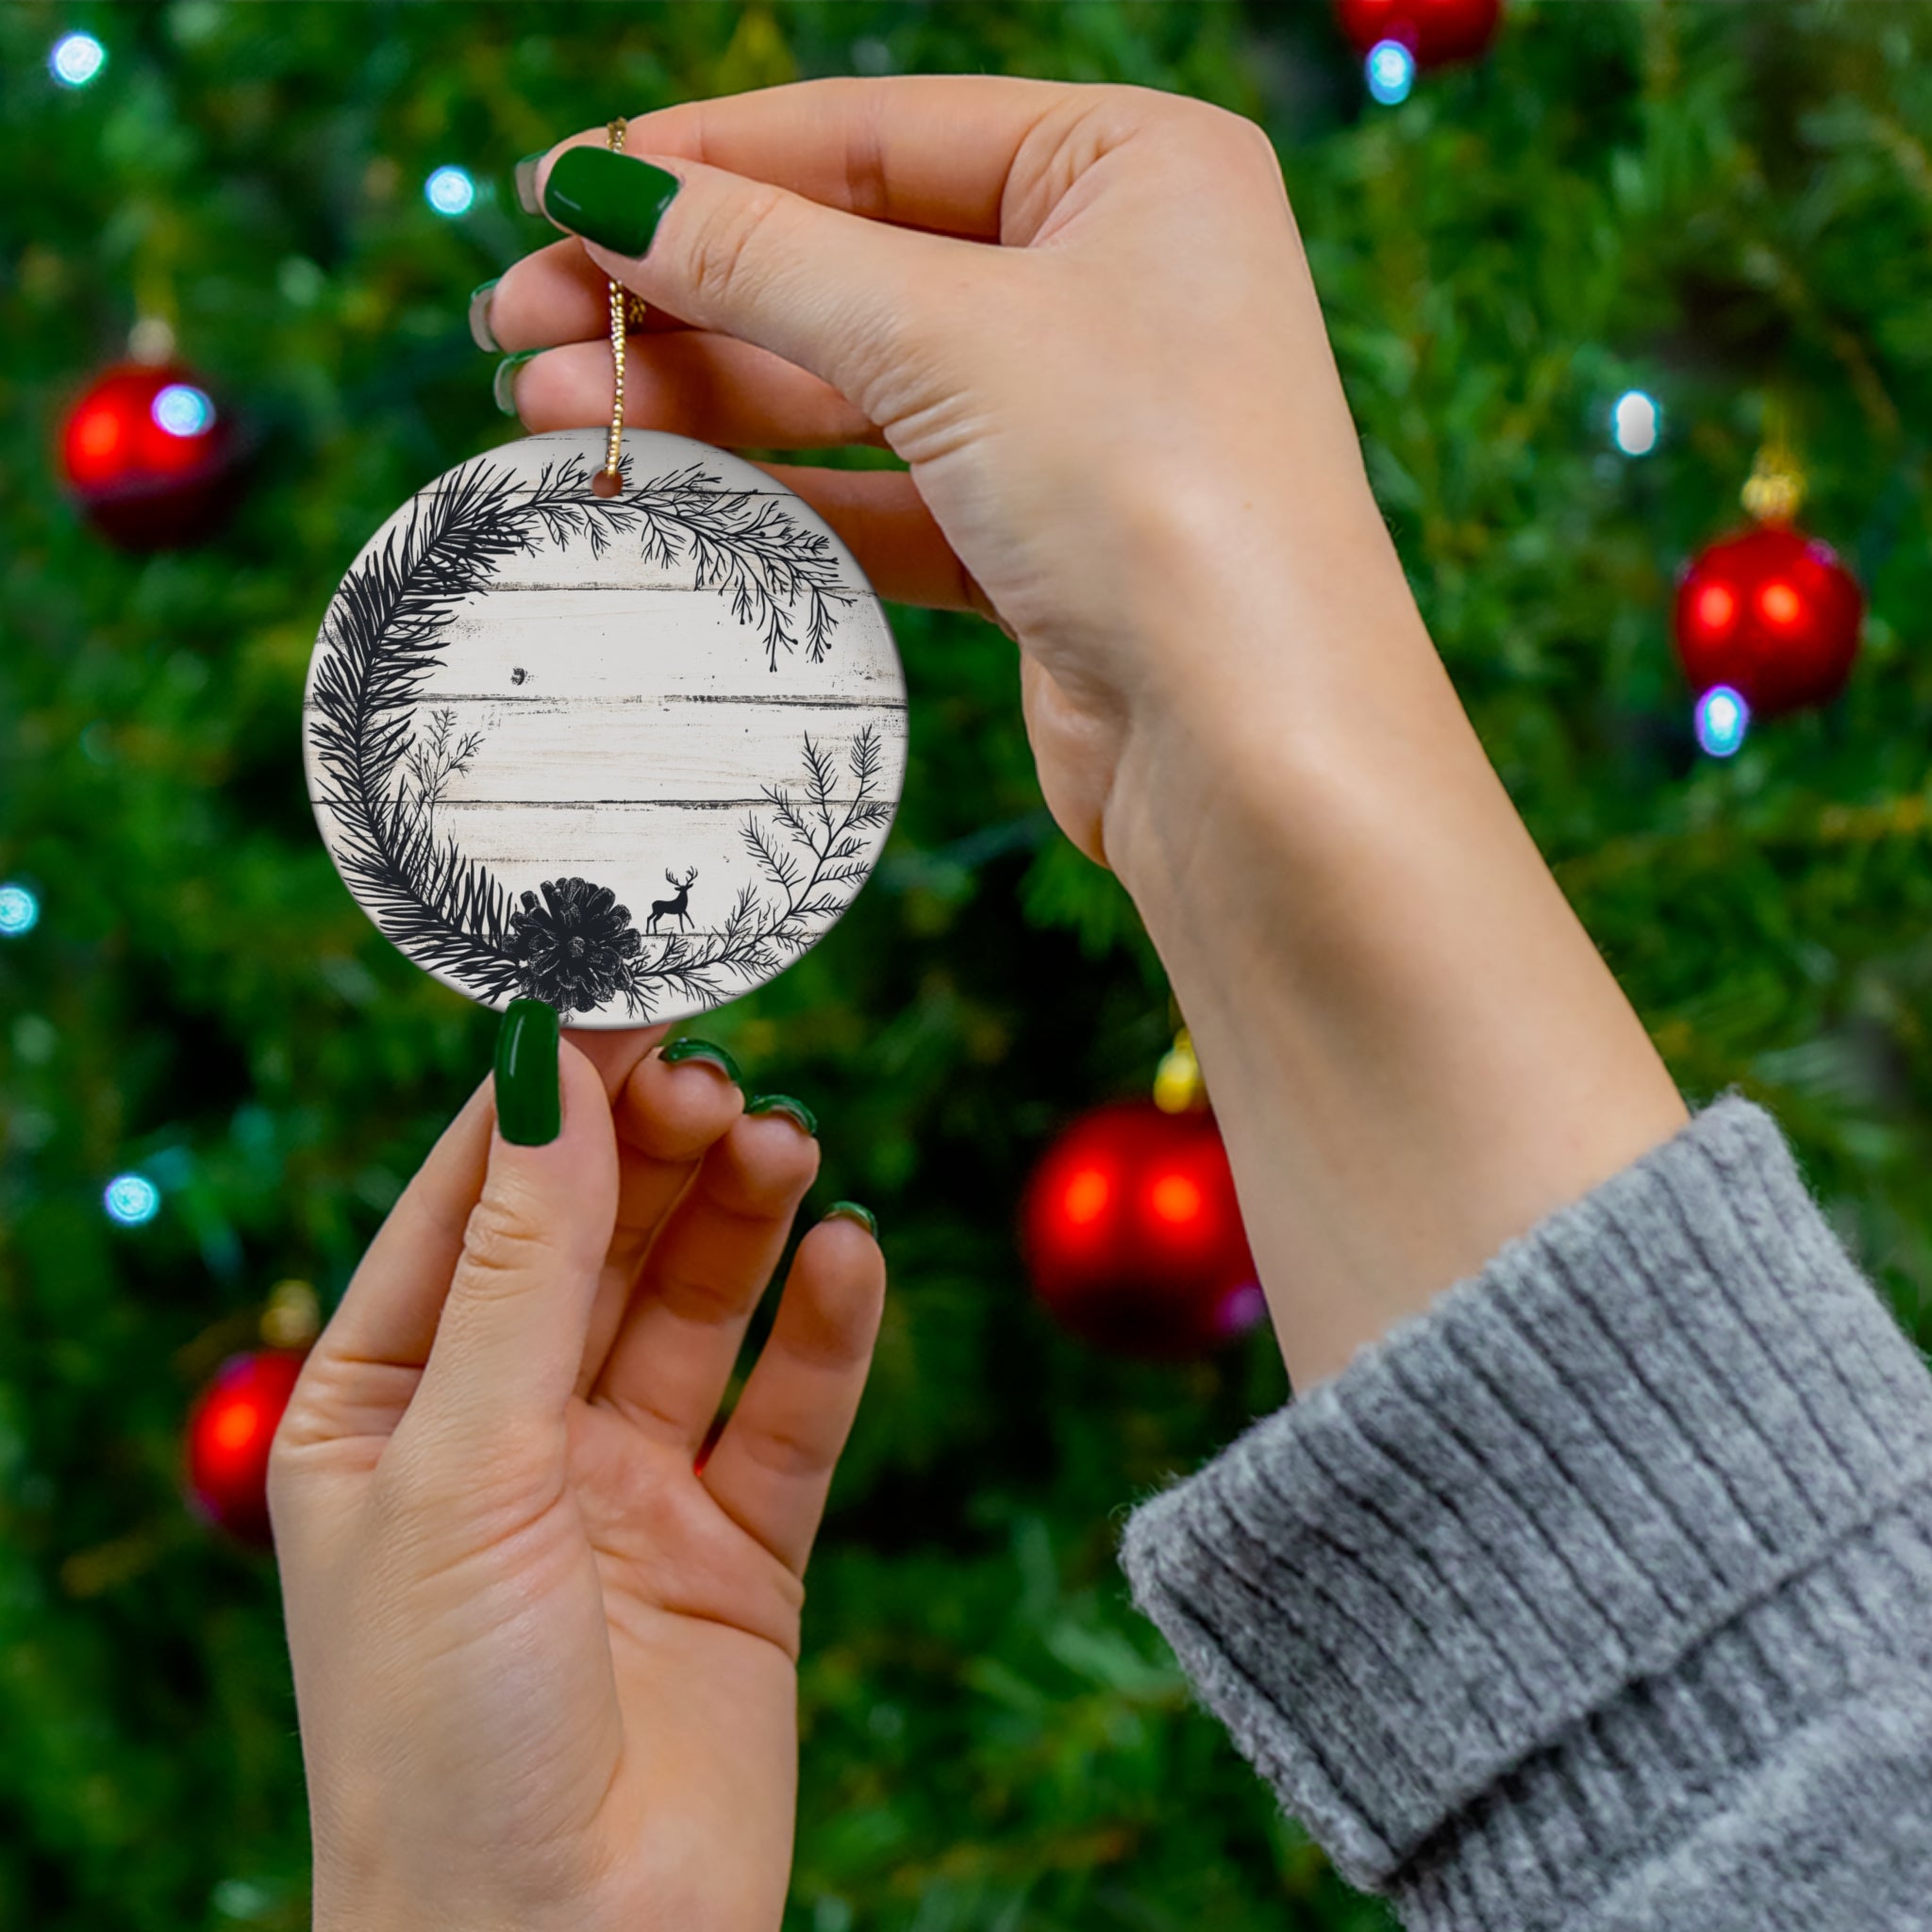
1536, 1537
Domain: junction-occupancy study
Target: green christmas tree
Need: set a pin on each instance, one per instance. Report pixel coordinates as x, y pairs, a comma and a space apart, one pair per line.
1727, 207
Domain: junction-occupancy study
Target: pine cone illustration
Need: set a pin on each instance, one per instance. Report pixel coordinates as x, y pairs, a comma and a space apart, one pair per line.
574, 949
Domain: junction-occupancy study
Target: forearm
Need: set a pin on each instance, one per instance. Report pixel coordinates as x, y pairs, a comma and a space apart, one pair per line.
1414, 1050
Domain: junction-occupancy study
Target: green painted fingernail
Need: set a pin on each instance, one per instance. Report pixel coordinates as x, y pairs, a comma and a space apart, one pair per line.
526, 176
795, 1112
851, 1210
529, 1101
610, 199
481, 331
503, 384
682, 1050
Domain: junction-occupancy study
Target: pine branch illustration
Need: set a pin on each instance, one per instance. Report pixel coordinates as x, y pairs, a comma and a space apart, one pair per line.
832, 844
381, 638
746, 546
781, 867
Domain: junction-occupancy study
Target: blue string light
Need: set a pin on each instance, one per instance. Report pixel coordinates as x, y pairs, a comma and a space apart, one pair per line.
450, 192
1723, 718
131, 1199
20, 911
182, 410
76, 59
1390, 72
1636, 423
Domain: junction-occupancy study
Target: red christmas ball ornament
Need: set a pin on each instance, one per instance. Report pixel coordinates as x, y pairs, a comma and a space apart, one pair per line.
149, 457
1133, 1236
229, 1431
1435, 31
1772, 613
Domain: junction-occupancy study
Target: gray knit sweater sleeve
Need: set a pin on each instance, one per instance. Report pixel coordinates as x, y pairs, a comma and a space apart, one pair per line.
1600, 1595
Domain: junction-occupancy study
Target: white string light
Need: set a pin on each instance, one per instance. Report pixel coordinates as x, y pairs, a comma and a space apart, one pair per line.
1636, 423
76, 59
1723, 718
1390, 72
450, 192
20, 911
131, 1200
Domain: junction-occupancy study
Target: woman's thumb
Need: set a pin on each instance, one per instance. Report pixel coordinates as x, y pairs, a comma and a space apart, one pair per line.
831, 291
510, 1340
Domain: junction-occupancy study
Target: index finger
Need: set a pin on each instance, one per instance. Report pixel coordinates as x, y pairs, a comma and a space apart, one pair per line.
920, 151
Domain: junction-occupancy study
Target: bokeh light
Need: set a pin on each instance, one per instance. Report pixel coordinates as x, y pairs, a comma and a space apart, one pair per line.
1175, 1199
132, 1200
1716, 605
76, 59
182, 410
450, 192
1636, 423
1089, 1190
1390, 72
1723, 718
1243, 1310
20, 911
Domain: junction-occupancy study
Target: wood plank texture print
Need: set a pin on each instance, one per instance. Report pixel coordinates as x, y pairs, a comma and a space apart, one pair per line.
629, 755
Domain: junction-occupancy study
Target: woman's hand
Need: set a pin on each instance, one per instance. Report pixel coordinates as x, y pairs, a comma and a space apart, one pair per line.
1083, 317
1130, 393
544, 1666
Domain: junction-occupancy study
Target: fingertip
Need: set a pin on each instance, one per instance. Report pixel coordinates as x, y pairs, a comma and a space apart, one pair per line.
778, 1142
840, 1282
856, 1212
549, 1093
616, 1053
581, 1091
843, 1239
677, 1109
525, 176
529, 1083
762, 1166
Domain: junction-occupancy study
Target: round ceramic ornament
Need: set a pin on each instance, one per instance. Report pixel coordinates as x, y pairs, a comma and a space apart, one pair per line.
628, 752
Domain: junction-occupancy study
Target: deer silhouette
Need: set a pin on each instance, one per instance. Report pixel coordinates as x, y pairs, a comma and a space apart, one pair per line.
672, 908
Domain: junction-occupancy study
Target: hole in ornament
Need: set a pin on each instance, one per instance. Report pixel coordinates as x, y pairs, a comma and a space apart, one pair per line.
1715, 607
607, 483
1391, 73
1780, 604
1723, 718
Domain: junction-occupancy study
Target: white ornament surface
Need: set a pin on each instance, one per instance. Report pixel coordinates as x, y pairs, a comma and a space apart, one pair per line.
520, 684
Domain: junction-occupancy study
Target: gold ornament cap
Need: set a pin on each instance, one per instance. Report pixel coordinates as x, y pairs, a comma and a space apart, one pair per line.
292, 1318
1177, 1084
1775, 492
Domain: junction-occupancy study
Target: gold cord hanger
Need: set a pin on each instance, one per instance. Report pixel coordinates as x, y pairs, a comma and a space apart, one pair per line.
627, 311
